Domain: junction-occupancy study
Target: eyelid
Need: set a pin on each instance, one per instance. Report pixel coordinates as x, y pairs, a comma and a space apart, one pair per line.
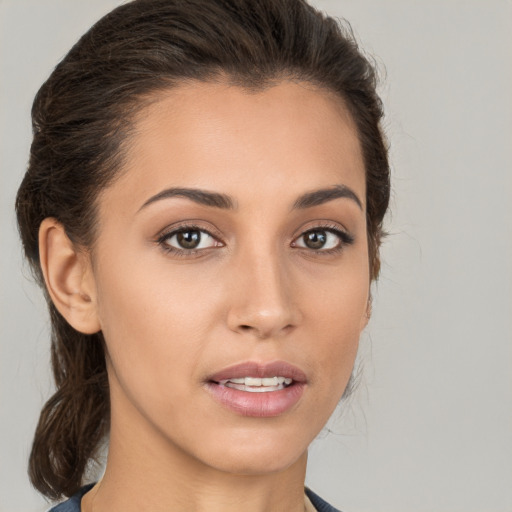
189, 224
174, 229
346, 238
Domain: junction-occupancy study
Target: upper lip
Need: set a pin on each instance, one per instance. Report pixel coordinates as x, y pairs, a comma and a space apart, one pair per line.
262, 370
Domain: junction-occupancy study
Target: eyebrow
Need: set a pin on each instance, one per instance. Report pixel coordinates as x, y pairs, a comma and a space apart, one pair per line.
198, 196
223, 201
318, 197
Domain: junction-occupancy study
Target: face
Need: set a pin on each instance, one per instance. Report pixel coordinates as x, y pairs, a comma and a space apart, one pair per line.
231, 274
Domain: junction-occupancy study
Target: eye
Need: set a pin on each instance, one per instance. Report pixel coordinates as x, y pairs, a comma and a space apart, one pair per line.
188, 239
323, 239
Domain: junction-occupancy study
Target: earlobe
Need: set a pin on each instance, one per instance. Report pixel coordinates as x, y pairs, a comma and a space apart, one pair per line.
68, 277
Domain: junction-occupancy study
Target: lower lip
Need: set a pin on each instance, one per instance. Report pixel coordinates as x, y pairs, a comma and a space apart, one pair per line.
261, 405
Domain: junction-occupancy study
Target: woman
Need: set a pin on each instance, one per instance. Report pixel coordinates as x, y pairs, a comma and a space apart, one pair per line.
203, 207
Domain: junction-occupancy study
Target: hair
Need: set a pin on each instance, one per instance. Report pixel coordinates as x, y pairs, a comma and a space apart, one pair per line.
82, 116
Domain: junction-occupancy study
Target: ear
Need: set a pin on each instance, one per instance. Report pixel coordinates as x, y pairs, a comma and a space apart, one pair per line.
68, 276
367, 314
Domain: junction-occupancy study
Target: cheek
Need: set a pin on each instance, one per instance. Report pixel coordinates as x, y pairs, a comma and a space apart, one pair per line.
152, 319
337, 316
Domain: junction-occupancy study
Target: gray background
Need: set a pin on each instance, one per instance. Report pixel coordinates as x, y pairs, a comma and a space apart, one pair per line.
430, 428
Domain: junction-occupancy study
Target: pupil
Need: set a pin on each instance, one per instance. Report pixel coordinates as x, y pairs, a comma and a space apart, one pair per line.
189, 239
315, 239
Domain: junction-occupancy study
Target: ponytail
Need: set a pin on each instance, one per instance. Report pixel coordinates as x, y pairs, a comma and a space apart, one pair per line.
75, 419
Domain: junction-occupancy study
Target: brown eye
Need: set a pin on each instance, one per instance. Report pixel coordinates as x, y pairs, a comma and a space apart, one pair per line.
323, 239
314, 239
189, 239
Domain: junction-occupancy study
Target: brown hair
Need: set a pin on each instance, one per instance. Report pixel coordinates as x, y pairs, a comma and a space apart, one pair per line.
81, 118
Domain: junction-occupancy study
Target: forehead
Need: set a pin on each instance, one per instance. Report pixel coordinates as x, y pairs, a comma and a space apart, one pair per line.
290, 137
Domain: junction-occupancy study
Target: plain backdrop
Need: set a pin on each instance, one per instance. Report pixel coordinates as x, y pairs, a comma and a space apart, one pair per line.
430, 427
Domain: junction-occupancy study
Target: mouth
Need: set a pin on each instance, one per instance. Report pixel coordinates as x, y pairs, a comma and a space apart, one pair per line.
257, 384
258, 390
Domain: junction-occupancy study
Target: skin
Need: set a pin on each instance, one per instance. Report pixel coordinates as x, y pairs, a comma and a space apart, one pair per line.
254, 293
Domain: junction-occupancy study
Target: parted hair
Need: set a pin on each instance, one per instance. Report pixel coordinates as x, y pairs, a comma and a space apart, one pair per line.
82, 117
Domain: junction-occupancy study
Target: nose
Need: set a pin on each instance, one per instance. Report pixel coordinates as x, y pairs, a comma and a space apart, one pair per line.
263, 303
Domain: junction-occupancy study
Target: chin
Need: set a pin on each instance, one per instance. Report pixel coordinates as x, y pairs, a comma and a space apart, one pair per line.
257, 463
256, 452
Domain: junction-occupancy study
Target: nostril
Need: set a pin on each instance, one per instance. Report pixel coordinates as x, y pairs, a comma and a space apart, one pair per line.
245, 327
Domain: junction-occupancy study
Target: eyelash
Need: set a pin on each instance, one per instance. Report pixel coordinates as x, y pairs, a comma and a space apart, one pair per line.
345, 239
162, 239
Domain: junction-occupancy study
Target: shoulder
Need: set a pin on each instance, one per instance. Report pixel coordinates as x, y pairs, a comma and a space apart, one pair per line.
73, 503
319, 504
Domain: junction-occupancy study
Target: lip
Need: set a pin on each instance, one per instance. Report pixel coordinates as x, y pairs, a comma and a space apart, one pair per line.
255, 369
264, 404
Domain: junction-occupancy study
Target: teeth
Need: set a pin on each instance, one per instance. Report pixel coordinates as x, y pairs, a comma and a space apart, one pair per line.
257, 384
255, 389
252, 381
237, 381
